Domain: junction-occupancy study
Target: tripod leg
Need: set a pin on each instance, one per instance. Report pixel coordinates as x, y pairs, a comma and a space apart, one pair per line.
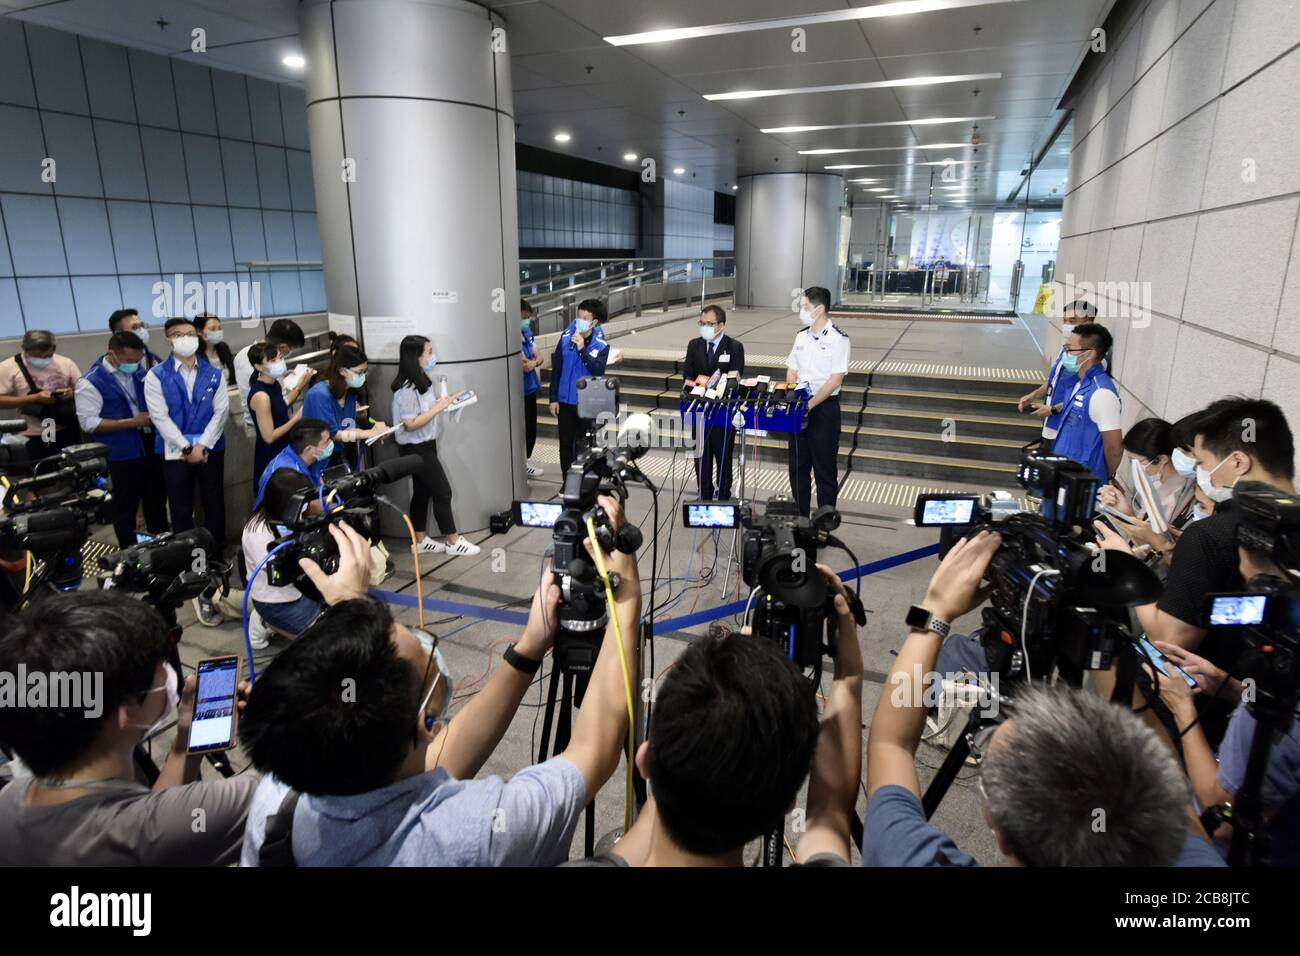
550, 714
951, 766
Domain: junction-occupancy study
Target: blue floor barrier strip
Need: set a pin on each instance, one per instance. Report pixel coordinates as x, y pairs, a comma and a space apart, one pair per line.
671, 625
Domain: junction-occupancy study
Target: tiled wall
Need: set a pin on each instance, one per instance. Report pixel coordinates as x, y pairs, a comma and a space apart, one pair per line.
566, 214
1184, 178
162, 167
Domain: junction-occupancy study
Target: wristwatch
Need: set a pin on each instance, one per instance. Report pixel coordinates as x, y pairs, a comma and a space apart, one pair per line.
520, 663
923, 620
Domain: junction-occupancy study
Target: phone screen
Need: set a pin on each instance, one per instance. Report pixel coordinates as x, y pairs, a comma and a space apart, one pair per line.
1163, 663
538, 514
214, 705
707, 515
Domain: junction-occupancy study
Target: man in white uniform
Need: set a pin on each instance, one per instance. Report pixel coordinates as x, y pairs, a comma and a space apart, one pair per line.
820, 360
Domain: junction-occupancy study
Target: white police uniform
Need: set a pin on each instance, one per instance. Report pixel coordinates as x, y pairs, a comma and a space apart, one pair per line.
817, 356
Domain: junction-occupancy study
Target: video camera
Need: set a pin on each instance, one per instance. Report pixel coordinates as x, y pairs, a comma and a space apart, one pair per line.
49, 512
168, 569
303, 532
1057, 602
599, 470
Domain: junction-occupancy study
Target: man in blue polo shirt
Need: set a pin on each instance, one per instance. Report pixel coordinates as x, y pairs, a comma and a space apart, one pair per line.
189, 405
1059, 381
308, 450
1090, 427
111, 409
581, 353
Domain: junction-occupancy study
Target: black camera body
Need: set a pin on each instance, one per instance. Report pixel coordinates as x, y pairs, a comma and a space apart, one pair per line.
169, 569
796, 602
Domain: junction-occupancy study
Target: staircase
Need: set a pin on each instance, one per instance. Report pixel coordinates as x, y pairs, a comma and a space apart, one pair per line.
951, 424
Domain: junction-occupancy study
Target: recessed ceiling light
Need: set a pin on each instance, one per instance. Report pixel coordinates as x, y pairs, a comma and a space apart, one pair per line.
897, 9
562, 137
880, 149
878, 189
678, 170
941, 162
630, 157
848, 87
932, 121
734, 188
293, 61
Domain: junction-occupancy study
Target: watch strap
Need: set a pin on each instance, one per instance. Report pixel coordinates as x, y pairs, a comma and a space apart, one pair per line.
520, 663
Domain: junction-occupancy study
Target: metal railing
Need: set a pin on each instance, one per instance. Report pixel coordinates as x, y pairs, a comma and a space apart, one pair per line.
936, 282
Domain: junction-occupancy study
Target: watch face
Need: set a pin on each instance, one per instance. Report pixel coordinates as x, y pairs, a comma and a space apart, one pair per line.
917, 617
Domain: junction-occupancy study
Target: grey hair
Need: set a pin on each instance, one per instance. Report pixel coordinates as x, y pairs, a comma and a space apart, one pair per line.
1078, 781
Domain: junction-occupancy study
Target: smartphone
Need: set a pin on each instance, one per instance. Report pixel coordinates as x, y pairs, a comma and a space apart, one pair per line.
1163, 663
1238, 610
538, 514
215, 713
935, 511
710, 514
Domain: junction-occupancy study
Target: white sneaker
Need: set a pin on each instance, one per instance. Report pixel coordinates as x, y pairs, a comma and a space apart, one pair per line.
430, 546
258, 632
462, 548
534, 471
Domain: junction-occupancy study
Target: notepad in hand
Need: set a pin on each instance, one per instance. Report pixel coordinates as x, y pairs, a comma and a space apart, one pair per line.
461, 400
384, 434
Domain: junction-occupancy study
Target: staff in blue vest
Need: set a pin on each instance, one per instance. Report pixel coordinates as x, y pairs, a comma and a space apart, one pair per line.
128, 320
1059, 382
189, 405
1090, 429
532, 383
111, 409
309, 448
334, 401
582, 352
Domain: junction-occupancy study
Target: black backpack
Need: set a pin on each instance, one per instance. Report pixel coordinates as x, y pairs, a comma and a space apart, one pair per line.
277, 840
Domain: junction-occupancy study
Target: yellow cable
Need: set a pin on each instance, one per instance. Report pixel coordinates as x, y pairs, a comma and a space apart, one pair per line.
622, 659
415, 553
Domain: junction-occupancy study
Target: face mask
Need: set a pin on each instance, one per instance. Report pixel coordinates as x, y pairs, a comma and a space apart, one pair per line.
707, 332
525, 326
326, 451
1213, 492
805, 317
1198, 513
216, 338
277, 370
1183, 463
583, 326
185, 345
1156, 480
444, 675
356, 380
430, 365
142, 333
1070, 362
40, 362
172, 686
128, 368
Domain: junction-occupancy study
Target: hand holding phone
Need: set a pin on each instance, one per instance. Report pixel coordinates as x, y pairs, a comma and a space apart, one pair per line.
216, 705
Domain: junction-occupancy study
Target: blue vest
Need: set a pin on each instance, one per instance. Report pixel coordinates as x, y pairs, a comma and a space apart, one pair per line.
532, 380
1059, 385
573, 365
1080, 439
127, 444
288, 459
190, 415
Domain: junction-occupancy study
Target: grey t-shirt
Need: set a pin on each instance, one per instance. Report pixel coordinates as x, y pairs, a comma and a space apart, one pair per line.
432, 820
130, 826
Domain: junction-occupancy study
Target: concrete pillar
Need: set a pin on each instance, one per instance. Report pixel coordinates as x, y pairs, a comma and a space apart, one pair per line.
411, 123
787, 236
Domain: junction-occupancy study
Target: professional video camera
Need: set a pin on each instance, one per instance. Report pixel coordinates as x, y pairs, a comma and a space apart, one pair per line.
600, 470
304, 527
49, 513
1057, 603
168, 569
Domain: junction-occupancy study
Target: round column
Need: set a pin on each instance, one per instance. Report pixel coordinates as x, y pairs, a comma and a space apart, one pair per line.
411, 124
787, 236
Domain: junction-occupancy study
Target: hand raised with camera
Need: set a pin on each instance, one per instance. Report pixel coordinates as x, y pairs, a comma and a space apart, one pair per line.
543, 622
956, 586
352, 578
848, 653
624, 565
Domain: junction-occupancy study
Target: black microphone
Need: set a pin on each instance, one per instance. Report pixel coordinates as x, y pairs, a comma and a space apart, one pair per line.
383, 473
13, 426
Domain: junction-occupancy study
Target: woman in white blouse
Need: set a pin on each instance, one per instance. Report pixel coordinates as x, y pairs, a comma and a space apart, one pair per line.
417, 406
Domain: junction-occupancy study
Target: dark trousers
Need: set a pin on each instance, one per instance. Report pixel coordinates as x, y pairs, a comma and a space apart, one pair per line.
530, 423
138, 482
209, 477
572, 430
716, 444
815, 451
430, 484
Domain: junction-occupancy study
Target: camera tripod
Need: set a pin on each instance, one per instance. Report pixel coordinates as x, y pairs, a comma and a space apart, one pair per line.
1251, 843
575, 688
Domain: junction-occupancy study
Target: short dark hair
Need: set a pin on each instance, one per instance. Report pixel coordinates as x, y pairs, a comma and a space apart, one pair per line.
1150, 438
179, 320
1224, 425
118, 316
818, 295
280, 488
1095, 336
97, 632
526, 306
125, 340
1182, 433
306, 432
718, 312
286, 332
39, 340
334, 712
258, 351
596, 308
731, 740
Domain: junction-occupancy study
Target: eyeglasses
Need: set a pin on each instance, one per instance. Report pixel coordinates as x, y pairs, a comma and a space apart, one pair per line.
429, 641
1078, 350
979, 742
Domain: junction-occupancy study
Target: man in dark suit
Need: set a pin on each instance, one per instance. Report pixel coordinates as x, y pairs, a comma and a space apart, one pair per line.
714, 351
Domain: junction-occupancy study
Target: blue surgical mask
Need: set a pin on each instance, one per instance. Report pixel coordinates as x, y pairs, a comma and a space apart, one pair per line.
327, 450
128, 368
40, 362
444, 673
1070, 362
215, 338
1212, 491
583, 326
357, 380
526, 326
277, 370
707, 332
430, 365
1183, 463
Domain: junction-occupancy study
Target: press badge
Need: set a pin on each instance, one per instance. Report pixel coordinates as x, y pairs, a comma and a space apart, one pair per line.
724, 358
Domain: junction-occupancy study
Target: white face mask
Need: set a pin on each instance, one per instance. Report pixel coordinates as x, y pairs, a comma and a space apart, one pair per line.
1183, 463
806, 316
1198, 513
172, 687
185, 345
216, 338
142, 333
1214, 492
277, 370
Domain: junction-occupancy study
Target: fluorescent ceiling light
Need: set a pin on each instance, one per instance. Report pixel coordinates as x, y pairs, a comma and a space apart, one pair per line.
629, 157
881, 149
896, 9
678, 170
734, 188
878, 189
562, 137
864, 180
942, 162
933, 121
294, 61
848, 87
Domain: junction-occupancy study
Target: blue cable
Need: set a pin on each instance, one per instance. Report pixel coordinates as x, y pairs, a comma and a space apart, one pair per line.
248, 595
